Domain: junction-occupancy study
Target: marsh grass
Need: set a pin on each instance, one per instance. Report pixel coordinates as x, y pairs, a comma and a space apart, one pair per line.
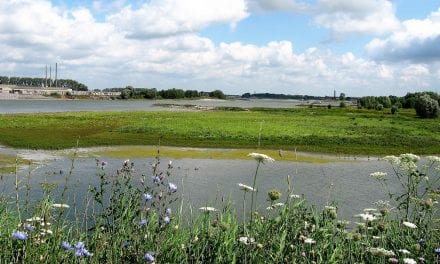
126, 222
347, 130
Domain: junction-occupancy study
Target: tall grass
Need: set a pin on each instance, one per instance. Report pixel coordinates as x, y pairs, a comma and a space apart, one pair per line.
137, 219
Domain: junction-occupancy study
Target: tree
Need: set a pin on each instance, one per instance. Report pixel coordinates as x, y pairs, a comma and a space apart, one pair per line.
342, 96
426, 107
217, 94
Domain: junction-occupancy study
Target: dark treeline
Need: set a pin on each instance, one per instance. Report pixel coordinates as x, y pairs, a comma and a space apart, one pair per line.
289, 96
42, 82
407, 101
130, 92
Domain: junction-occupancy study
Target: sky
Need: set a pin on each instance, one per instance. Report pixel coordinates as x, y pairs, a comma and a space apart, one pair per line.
308, 47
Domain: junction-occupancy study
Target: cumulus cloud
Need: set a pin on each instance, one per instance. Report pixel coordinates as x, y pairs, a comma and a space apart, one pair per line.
417, 41
278, 5
160, 18
362, 16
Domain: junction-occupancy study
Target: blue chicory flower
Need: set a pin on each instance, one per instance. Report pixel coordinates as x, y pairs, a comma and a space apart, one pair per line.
149, 257
168, 211
156, 179
20, 235
29, 227
81, 251
66, 246
166, 220
437, 251
142, 222
147, 197
172, 187
126, 243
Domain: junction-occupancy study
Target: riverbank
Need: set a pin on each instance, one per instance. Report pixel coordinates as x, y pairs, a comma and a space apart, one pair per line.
320, 130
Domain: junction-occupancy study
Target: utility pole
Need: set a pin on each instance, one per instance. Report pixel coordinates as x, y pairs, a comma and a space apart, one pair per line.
50, 75
45, 79
56, 73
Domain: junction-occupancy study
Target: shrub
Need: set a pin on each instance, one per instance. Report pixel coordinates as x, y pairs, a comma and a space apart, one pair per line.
394, 109
426, 107
342, 104
329, 106
379, 107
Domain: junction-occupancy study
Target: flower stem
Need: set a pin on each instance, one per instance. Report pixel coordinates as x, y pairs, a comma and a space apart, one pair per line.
253, 195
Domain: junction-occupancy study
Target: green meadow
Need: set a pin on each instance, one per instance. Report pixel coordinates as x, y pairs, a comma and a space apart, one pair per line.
334, 131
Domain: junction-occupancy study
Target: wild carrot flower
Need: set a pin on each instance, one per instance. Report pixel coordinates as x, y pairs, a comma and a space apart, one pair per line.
409, 225
404, 251
433, 159
172, 188
208, 209
392, 159
366, 217
309, 241
409, 261
393, 261
246, 240
261, 157
381, 252
246, 188
34, 219
149, 256
60, 205
147, 197
20, 235
295, 196
378, 175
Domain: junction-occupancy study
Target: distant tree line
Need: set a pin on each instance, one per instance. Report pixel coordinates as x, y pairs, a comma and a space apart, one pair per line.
130, 92
42, 82
426, 104
289, 96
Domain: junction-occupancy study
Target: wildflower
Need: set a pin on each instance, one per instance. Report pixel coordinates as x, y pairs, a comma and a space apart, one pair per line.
409, 261
246, 188
29, 227
404, 251
309, 241
330, 208
392, 159
274, 194
147, 197
168, 211
366, 217
437, 251
409, 225
370, 210
303, 254
381, 252
60, 206
46, 232
103, 164
142, 222
20, 235
259, 245
81, 251
393, 261
126, 243
166, 220
66, 246
172, 188
376, 237
149, 257
295, 196
156, 179
208, 209
408, 157
433, 158
261, 157
378, 175
126, 162
34, 219
246, 240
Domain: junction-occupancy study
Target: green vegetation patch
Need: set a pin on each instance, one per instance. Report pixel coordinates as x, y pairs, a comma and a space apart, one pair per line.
322, 130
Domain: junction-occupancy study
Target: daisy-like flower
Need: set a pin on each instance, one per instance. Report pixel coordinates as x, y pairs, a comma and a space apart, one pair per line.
404, 251
246, 240
60, 205
208, 209
378, 175
20, 235
246, 188
409, 225
261, 157
409, 261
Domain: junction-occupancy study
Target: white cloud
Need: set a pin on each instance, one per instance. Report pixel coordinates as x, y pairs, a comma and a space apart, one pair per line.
278, 5
34, 33
417, 41
160, 18
362, 16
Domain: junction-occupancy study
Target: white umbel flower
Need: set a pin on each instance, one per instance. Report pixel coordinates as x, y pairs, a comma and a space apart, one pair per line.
409, 261
208, 209
381, 252
261, 157
366, 217
378, 175
246, 240
246, 188
409, 225
433, 159
404, 251
60, 206
309, 241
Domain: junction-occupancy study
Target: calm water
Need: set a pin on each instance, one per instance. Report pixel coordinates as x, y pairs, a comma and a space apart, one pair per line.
204, 182
43, 106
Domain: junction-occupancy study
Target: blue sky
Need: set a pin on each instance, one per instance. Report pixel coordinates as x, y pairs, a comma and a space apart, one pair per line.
364, 47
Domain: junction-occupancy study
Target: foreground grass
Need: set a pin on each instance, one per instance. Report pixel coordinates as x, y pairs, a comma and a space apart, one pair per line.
131, 222
348, 130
